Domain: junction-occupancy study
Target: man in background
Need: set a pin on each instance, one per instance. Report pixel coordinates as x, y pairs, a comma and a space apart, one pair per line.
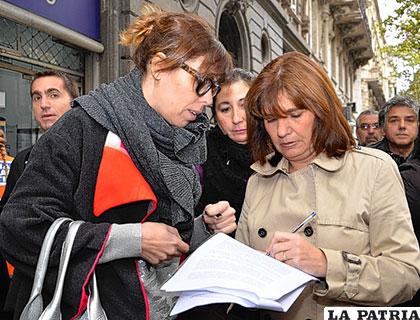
368, 130
399, 118
52, 93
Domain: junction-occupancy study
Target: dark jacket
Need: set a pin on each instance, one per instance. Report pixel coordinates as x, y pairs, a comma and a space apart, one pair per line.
225, 173
70, 152
113, 162
224, 177
16, 170
410, 172
384, 146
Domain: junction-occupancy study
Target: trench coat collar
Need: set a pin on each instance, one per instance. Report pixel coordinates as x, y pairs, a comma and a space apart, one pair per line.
321, 160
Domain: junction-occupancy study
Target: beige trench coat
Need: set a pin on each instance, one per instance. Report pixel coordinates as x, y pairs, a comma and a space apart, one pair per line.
363, 227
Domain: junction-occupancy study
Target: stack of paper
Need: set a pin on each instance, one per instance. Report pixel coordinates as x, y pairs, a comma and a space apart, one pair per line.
224, 270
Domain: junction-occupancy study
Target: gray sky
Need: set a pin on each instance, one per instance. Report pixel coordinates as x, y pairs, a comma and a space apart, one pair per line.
386, 8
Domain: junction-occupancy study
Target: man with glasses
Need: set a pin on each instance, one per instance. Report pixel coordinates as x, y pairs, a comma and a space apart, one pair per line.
399, 121
367, 128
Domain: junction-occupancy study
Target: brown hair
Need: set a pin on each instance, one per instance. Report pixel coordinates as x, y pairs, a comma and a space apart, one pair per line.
308, 87
69, 84
180, 36
236, 75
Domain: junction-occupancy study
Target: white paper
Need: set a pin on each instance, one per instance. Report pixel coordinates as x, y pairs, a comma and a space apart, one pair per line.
193, 299
225, 270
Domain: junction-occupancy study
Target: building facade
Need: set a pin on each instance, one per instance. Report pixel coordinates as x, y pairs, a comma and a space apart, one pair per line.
339, 34
377, 78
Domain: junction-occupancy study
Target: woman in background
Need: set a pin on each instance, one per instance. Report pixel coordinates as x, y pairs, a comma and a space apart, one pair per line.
227, 169
361, 245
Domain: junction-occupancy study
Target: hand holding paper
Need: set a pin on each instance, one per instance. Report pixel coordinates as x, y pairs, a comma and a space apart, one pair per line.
225, 270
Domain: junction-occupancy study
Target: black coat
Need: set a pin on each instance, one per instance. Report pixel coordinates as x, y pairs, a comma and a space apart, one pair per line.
224, 177
16, 170
225, 173
59, 180
384, 146
410, 172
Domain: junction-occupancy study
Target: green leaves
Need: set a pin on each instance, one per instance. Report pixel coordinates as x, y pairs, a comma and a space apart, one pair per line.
405, 24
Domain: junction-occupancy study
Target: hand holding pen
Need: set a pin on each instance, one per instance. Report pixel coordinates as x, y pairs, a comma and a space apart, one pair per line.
299, 226
220, 217
297, 251
308, 219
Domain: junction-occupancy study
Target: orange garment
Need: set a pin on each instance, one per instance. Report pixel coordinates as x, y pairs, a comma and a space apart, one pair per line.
4, 171
119, 181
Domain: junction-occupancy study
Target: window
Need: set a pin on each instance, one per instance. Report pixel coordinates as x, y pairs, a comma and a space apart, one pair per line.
265, 49
189, 5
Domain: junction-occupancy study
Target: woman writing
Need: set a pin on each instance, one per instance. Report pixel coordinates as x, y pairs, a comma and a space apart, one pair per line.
123, 161
361, 245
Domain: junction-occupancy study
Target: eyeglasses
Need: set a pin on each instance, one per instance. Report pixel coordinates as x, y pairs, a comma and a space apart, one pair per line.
365, 126
204, 84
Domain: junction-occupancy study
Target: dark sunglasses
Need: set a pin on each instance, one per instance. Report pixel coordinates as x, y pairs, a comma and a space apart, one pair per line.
204, 84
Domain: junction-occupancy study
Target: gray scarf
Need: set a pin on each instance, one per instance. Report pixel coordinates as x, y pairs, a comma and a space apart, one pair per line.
165, 155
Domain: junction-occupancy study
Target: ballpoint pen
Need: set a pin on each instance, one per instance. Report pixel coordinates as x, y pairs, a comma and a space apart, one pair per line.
308, 219
304, 222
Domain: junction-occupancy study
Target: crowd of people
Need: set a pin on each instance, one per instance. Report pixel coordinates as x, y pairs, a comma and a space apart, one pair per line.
141, 164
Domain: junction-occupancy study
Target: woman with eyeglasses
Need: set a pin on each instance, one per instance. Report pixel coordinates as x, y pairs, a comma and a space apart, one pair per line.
123, 160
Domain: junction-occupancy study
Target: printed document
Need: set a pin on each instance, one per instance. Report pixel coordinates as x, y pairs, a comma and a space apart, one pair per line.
224, 270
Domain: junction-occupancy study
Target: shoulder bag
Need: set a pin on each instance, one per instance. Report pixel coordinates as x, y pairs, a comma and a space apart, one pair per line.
34, 308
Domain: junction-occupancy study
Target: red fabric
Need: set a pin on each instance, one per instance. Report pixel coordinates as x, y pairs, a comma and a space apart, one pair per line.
119, 182
84, 298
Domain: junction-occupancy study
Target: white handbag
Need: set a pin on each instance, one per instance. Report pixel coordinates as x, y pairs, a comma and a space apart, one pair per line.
34, 309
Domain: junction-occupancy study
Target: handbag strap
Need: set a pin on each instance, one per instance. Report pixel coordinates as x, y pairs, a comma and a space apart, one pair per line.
34, 307
52, 311
95, 310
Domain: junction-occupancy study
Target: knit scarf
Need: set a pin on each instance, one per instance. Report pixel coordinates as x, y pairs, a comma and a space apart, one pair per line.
165, 155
